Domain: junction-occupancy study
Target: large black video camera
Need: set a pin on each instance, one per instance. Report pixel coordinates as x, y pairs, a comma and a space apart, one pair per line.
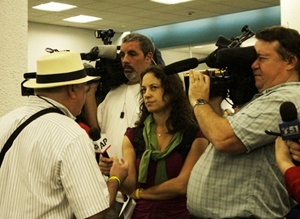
108, 64
233, 77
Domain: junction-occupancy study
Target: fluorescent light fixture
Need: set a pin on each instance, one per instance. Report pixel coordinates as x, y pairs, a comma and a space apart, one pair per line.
171, 2
82, 19
54, 6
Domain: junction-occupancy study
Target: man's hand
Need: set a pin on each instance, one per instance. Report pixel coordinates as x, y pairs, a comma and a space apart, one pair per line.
199, 86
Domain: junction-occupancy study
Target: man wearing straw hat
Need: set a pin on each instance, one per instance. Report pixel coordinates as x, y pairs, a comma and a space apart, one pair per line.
47, 161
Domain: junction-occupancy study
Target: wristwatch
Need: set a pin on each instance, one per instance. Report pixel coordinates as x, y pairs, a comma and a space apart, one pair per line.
199, 102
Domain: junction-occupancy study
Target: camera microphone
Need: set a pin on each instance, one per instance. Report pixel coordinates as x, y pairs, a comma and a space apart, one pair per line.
181, 66
101, 51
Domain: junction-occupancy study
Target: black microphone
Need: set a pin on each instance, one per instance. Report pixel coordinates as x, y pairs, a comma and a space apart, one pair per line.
100, 142
181, 66
290, 125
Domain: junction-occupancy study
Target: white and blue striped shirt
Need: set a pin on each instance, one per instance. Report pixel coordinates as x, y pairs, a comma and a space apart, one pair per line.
50, 171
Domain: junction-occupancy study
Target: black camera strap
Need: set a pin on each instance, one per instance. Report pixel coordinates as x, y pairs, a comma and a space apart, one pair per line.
11, 139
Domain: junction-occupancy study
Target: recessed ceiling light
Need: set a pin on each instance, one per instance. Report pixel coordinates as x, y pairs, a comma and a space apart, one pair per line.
54, 6
171, 2
82, 19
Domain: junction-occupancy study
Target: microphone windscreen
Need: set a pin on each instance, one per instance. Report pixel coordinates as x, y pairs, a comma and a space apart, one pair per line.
181, 66
94, 134
288, 112
244, 56
107, 51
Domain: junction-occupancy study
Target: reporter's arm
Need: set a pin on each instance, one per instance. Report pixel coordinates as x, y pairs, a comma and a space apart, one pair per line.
118, 174
176, 186
129, 155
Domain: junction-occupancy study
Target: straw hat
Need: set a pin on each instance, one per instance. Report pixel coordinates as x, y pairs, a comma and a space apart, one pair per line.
59, 69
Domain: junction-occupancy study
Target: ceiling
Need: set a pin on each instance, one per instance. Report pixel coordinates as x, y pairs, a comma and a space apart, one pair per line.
129, 15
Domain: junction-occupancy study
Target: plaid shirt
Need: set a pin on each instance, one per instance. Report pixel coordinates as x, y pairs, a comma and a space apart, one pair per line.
225, 185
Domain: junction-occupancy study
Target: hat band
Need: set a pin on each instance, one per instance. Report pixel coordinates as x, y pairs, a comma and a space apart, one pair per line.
61, 77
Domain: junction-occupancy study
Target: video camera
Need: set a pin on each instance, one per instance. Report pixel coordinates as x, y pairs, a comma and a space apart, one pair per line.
233, 77
108, 63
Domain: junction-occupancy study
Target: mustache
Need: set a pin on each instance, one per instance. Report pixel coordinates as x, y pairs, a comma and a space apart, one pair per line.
127, 66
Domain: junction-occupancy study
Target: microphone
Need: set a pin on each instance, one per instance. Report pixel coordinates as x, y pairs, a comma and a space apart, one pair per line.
100, 142
102, 51
290, 125
181, 66
239, 56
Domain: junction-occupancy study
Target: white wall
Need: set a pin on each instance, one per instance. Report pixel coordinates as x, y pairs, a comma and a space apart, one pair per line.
289, 13
13, 56
41, 36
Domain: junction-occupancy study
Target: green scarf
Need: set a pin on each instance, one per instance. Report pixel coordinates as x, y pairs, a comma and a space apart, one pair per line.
152, 153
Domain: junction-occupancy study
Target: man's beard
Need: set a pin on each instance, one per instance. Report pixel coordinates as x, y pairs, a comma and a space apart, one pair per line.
131, 76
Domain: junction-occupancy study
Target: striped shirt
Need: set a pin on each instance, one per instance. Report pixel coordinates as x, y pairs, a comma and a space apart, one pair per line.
224, 185
50, 171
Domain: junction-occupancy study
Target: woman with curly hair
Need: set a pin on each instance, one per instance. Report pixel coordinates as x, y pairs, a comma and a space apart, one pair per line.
162, 149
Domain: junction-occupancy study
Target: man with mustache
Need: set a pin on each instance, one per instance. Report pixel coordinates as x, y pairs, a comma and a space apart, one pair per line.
120, 108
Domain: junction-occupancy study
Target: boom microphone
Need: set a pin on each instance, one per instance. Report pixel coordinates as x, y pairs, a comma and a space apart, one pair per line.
100, 142
181, 66
102, 51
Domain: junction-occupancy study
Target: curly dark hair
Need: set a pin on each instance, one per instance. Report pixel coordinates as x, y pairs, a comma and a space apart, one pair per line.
289, 41
182, 115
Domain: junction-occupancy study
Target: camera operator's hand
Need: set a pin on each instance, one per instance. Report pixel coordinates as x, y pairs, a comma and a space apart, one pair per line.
199, 86
283, 155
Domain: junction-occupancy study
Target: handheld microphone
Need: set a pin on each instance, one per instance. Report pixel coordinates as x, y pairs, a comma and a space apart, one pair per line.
100, 142
290, 125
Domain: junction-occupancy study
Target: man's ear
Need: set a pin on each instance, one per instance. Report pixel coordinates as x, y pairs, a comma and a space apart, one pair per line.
149, 56
71, 91
292, 63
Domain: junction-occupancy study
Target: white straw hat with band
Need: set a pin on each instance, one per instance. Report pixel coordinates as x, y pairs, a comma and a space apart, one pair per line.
59, 69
